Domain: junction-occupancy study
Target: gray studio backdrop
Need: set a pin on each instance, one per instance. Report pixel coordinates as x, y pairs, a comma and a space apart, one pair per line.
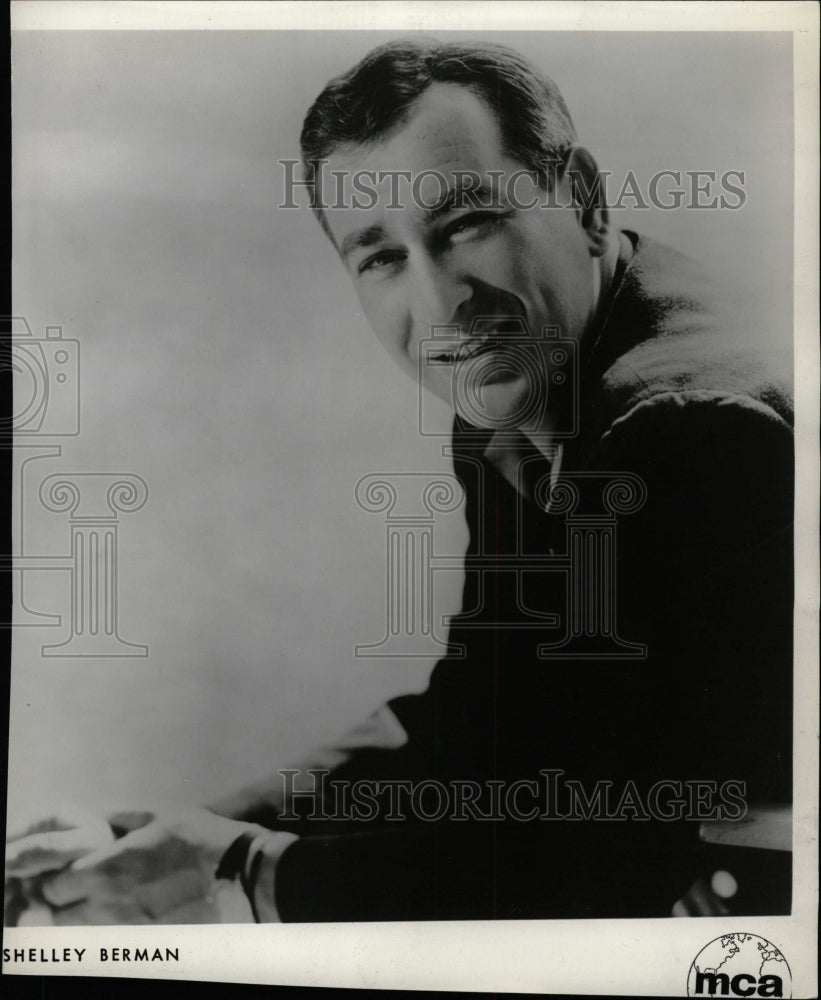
225, 361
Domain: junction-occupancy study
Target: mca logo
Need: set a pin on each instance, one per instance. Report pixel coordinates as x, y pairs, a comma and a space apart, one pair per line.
739, 965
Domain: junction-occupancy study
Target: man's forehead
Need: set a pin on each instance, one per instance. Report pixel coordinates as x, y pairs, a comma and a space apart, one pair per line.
447, 127
449, 140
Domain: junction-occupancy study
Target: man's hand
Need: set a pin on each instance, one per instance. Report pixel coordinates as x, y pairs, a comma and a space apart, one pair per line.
48, 844
54, 841
160, 872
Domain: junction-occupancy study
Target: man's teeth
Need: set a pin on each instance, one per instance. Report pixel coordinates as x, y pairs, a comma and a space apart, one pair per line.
478, 347
483, 343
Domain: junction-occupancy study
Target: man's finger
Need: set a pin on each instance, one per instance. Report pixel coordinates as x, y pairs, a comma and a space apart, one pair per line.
198, 911
165, 895
90, 914
44, 825
66, 817
37, 914
139, 856
42, 852
71, 887
15, 902
111, 872
123, 821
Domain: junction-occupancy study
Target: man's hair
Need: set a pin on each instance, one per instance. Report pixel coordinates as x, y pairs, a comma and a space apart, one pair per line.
360, 106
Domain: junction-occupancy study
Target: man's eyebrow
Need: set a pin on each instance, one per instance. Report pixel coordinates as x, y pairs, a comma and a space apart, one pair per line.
361, 238
458, 196
462, 195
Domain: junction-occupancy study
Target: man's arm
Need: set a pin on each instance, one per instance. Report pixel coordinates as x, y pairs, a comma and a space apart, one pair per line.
274, 798
706, 577
705, 569
171, 854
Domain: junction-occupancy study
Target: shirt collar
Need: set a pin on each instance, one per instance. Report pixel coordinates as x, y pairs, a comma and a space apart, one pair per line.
520, 462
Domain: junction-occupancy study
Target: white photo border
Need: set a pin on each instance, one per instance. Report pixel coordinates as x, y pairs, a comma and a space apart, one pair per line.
635, 957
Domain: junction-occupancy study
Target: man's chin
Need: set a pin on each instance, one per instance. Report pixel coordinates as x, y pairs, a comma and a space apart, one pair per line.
502, 405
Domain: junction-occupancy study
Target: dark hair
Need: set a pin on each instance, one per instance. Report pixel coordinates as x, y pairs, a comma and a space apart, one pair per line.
361, 105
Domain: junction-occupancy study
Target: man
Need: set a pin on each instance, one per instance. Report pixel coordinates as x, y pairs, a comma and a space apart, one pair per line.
657, 661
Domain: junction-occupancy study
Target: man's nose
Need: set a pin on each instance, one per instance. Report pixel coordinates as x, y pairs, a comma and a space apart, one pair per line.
438, 295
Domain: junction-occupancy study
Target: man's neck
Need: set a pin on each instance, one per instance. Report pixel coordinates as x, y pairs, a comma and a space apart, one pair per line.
543, 439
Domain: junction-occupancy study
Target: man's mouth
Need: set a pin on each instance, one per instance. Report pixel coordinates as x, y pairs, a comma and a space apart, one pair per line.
486, 337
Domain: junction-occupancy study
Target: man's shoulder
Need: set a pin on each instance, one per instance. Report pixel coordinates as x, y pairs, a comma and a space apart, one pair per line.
676, 329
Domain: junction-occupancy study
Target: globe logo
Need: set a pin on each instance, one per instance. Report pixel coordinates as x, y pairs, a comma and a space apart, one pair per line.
739, 965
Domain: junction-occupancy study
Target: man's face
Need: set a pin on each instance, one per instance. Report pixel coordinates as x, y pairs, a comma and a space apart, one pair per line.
415, 269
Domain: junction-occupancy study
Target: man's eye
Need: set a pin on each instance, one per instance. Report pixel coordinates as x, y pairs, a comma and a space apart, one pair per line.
384, 262
461, 230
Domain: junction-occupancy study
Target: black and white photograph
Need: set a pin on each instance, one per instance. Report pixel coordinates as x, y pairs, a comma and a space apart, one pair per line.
412, 526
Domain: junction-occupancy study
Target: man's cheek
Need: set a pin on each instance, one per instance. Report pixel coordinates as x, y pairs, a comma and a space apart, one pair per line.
383, 317
398, 346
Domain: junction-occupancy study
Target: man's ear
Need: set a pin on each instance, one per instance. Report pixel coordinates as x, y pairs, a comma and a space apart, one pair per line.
589, 198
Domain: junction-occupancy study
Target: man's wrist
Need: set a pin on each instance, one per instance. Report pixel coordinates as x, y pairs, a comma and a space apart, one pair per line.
252, 859
259, 875
234, 861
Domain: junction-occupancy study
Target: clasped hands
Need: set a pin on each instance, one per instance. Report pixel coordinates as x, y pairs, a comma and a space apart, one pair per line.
139, 866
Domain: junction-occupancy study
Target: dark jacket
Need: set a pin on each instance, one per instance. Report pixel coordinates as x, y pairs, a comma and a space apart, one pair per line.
697, 414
